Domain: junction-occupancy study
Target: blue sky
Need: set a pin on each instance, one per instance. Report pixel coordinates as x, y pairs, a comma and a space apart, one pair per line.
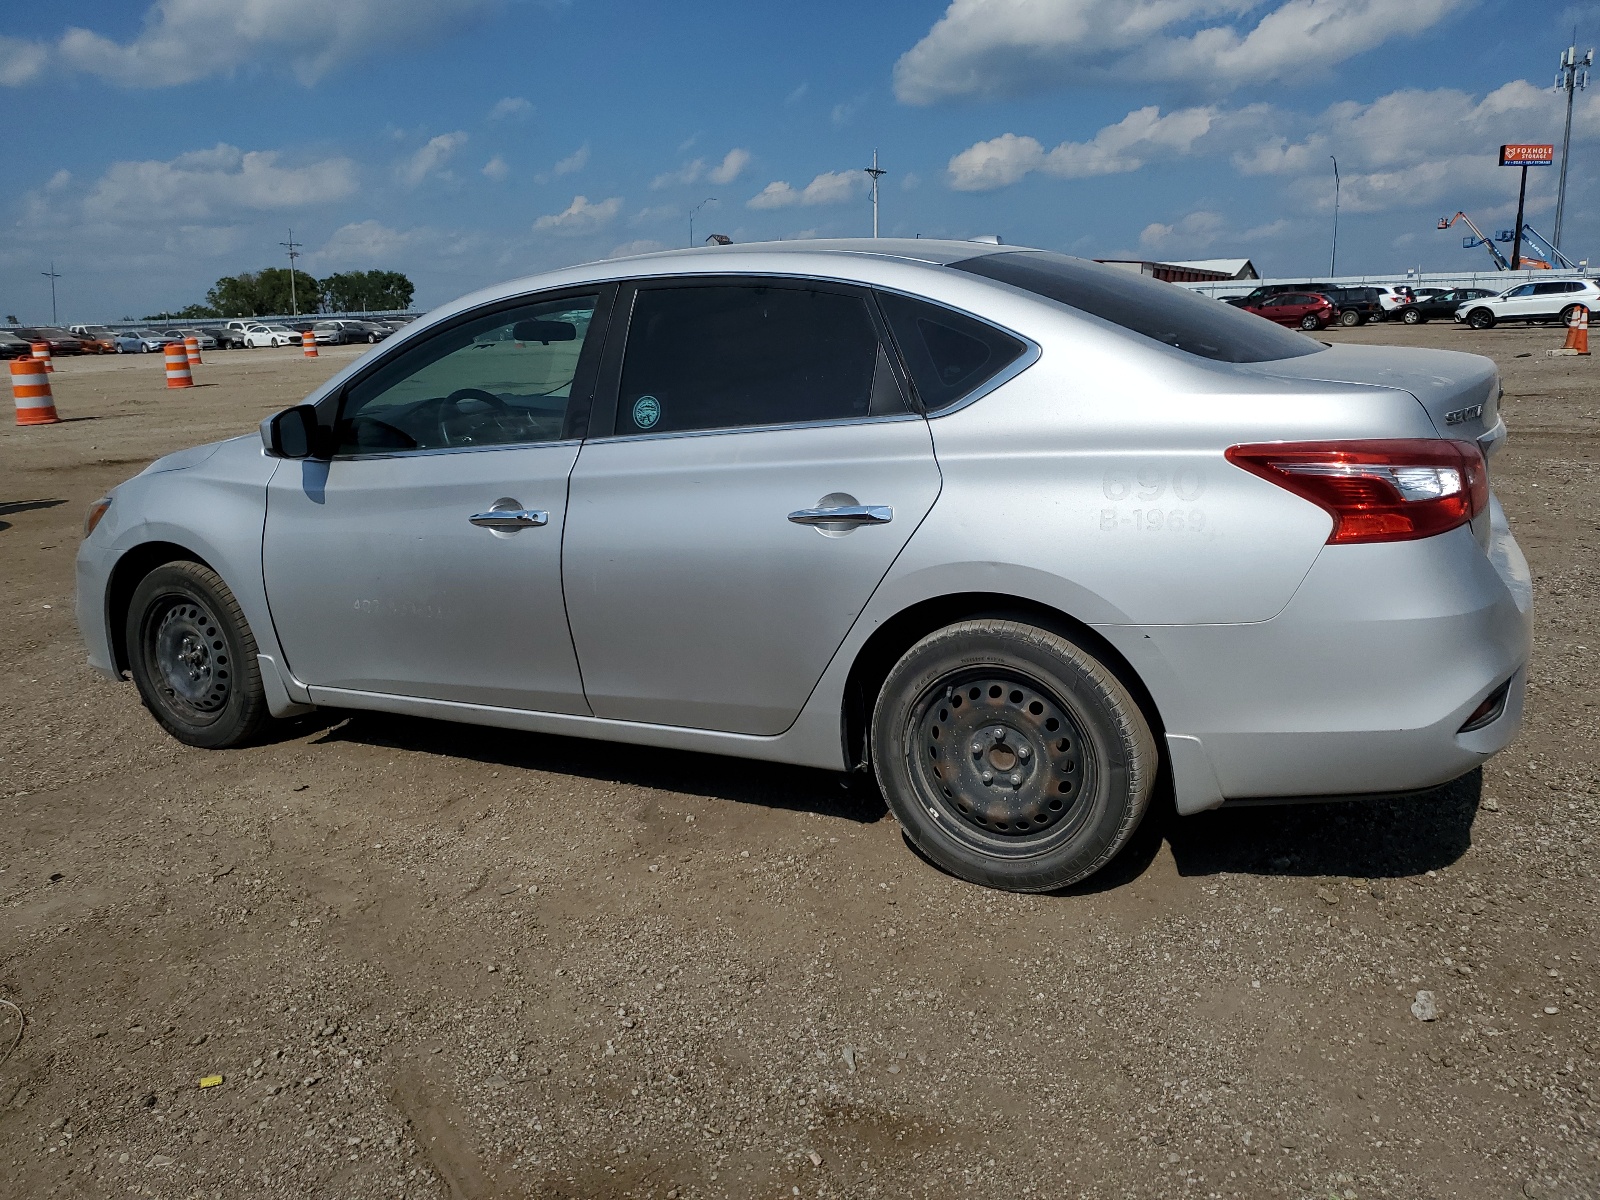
161, 145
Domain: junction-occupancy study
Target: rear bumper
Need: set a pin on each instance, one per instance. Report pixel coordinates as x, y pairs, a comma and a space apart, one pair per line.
1363, 682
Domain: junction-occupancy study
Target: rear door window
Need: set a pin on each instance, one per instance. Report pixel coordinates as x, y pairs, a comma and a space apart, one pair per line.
732, 355
1151, 308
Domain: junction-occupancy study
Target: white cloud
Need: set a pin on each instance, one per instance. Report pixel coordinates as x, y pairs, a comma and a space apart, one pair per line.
186, 40
798, 94
1115, 150
576, 161
642, 246
21, 61
660, 212
510, 106
219, 181
831, 187
580, 216
731, 167
496, 169
1011, 47
1197, 231
59, 180
431, 158
364, 242
685, 174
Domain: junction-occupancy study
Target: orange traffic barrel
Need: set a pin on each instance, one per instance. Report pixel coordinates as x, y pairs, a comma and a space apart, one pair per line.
308, 343
41, 351
30, 388
191, 347
178, 373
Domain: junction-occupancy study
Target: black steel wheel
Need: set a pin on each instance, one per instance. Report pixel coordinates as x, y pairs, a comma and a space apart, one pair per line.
1011, 756
193, 657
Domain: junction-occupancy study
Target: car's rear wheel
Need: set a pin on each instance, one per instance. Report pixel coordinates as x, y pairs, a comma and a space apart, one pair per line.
1011, 756
1569, 314
1411, 317
1350, 318
1310, 322
1480, 318
193, 657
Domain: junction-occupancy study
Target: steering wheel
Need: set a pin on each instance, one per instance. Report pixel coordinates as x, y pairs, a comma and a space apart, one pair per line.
449, 407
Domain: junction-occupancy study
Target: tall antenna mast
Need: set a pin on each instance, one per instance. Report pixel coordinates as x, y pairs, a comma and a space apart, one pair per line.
877, 173
294, 252
1333, 258
1573, 75
52, 276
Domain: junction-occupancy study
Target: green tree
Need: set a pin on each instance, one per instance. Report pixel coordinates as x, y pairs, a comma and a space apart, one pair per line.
264, 293
188, 312
367, 291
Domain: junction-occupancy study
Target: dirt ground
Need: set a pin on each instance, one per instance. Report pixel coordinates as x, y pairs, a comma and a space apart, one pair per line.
436, 961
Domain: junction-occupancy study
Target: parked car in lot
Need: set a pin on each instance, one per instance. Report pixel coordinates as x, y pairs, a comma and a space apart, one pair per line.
12, 346
1439, 305
1554, 300
258, 337
1016, 532
1299, 310
1355, 305
96, 339
231, 334
59, 340
341, 332
205, 338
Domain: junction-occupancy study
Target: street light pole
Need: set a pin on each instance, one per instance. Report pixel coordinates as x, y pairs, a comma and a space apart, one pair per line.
1573, 75
1333, 259
52, 276
695, 209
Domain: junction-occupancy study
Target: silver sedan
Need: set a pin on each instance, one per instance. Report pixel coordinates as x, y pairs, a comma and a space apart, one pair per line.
1026, 537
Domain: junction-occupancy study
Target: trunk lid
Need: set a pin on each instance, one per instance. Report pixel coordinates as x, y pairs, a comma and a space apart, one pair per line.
1460, 392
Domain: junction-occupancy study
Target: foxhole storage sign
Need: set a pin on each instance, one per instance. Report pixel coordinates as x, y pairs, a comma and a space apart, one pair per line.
1527, 154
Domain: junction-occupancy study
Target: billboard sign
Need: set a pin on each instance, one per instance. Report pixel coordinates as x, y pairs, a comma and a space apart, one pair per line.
1527, 154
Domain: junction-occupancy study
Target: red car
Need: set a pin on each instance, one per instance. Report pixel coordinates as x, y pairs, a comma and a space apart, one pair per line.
1303, 310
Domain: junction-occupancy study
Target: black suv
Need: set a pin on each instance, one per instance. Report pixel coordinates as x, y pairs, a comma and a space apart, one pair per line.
1356, 305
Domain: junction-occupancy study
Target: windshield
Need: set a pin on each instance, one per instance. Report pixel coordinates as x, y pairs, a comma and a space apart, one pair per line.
1152, 308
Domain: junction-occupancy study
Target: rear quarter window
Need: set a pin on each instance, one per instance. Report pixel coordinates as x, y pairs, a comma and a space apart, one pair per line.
1162, 312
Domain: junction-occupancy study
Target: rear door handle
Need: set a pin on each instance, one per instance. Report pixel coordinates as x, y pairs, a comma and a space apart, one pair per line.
849, 514
510, 518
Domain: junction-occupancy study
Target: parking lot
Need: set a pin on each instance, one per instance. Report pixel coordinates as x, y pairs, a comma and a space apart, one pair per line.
431, 960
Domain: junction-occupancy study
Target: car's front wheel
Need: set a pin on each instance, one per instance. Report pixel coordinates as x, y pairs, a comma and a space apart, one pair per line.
1011, 756
1411, 317
1480, 318
193, 657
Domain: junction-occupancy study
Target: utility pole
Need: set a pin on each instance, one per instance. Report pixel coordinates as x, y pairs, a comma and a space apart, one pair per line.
52, 276
1573, 75
294, 252
1333, 259
695, 209
877, 173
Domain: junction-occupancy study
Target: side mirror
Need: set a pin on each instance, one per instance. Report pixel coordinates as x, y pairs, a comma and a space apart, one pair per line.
292, 433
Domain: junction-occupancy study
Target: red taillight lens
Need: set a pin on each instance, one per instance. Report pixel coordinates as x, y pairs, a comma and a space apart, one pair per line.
1377, 491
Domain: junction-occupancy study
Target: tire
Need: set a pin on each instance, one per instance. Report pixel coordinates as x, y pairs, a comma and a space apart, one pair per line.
1349, 318
372, 338
1310, 322
1481, 318
194, 658
1412, 317
1568, 313
1081, 757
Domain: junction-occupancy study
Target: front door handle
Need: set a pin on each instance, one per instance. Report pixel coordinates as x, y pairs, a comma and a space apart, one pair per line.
510, 518
848, 514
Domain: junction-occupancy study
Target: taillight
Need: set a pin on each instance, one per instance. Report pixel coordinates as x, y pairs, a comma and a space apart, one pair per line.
1391, 490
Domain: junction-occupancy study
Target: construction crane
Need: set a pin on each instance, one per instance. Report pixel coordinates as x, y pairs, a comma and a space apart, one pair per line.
1477, 239
1549, 256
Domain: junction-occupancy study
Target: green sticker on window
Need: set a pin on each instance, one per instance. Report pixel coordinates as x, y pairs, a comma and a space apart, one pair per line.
646, 411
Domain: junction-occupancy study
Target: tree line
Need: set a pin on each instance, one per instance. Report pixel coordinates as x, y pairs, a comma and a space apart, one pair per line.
267, 293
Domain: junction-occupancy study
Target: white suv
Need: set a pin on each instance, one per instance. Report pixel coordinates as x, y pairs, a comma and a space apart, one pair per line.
1552, 301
